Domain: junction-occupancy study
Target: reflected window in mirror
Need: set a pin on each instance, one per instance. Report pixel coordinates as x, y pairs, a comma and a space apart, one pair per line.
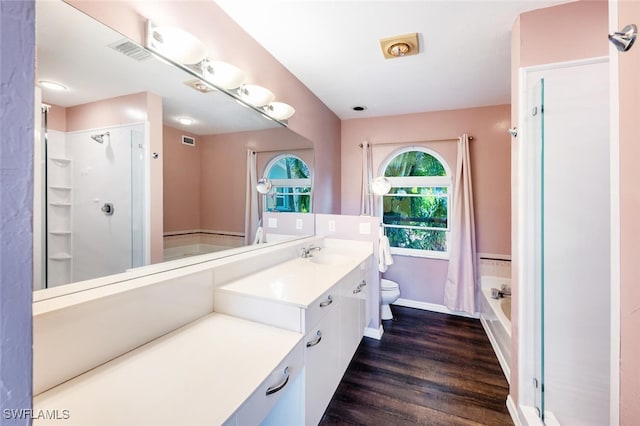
291, 185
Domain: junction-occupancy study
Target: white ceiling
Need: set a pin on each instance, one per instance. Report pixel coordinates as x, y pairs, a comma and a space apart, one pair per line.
332, 46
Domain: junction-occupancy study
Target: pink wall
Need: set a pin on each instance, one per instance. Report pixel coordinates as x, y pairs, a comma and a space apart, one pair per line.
535, 40
154, 118
629, 93
223, 182
490, 154
582, 25
208, 22
181, 178
57, 118
108, 112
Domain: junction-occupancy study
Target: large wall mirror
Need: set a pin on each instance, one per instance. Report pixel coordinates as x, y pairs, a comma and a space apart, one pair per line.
120, 114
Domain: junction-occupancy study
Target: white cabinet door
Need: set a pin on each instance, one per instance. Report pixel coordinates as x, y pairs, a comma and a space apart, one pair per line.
322, 366
351, 313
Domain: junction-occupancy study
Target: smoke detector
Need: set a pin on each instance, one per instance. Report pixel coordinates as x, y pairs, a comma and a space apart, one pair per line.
398, 46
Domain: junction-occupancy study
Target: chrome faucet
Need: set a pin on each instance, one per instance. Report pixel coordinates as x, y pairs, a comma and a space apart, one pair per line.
306, 252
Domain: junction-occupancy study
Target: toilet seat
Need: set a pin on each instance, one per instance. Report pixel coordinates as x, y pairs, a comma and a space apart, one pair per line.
388, 284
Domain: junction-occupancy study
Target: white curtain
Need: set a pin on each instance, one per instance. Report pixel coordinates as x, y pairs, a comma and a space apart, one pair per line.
366, 199
252, 210
460, 288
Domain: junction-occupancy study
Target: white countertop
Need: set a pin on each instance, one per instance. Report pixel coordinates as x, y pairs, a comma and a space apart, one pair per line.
199, 374
301, 281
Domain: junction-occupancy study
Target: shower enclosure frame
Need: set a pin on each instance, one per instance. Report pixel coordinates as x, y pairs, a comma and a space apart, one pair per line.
528, 254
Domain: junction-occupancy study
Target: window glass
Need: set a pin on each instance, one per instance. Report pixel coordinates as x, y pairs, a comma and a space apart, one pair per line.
415, 163
291, 180
415, 212
288, 167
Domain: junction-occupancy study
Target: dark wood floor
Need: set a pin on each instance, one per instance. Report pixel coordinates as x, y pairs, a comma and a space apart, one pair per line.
428, 368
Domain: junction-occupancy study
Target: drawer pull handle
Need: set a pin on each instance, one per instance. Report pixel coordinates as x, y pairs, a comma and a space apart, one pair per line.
316, 340
357, 290
362, 284
326, 302
278, 387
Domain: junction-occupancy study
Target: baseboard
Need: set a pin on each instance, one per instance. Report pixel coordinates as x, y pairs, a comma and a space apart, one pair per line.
504, 365
374, 333
433, 308
513, 411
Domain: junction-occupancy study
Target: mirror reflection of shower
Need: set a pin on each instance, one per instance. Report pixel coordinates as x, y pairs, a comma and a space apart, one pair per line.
80, 177
99, 137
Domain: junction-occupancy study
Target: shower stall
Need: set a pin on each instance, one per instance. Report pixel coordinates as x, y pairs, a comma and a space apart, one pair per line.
92, 196
565, 284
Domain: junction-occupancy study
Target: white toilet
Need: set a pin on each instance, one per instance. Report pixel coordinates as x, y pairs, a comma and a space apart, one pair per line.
390, 293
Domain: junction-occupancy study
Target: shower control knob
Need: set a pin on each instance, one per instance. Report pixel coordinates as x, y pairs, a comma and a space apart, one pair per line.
107, 209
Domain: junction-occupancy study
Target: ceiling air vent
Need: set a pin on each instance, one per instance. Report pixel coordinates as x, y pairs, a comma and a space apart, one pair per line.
131, 49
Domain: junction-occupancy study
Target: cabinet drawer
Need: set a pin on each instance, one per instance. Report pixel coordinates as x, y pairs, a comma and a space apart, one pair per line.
320, 307
254, 410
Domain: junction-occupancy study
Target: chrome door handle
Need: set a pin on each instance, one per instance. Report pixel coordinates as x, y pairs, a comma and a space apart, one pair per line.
273, 389
326, 302
362, 284
316, 340
357, 290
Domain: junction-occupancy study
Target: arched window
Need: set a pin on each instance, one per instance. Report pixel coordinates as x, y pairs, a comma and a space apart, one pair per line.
291, 180
415, 212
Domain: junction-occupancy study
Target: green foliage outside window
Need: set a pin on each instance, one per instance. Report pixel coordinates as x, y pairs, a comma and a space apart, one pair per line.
416, 217
289, 198
415, 163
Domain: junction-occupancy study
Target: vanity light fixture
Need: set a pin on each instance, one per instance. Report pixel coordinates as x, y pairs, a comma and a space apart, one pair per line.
264, 186
380, 185
52, 85
255, 95
222, 74
175, 44
399, 46
279, 110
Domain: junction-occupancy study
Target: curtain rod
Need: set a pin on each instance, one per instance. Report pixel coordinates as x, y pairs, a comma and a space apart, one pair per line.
281, 150
416, 142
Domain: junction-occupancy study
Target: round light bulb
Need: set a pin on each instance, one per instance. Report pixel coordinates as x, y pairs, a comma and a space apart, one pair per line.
381, 185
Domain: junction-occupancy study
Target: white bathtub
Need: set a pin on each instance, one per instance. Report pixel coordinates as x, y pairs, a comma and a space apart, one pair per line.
194, 242
496, 321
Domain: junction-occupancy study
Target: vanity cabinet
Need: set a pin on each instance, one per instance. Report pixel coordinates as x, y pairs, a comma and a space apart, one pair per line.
332, 322
322, 362
353, 309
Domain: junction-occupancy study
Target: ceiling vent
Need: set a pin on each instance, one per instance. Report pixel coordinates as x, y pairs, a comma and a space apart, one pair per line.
398, 46
131, 49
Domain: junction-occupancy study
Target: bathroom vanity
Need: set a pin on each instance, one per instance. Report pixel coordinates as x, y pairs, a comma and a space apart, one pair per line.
322, 297
270, 337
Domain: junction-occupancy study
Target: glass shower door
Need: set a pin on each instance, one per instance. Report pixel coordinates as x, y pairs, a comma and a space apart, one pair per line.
535, 112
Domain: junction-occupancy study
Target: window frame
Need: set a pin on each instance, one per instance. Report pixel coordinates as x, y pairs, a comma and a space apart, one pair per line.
291, 184
420, 182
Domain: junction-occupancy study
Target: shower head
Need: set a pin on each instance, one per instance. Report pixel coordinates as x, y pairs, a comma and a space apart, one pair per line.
99, 137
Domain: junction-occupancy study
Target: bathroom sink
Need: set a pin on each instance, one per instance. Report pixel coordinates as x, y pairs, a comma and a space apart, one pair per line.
329, 259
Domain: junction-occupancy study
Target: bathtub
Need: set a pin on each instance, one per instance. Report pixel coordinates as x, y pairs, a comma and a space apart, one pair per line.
495, 317
191, 243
